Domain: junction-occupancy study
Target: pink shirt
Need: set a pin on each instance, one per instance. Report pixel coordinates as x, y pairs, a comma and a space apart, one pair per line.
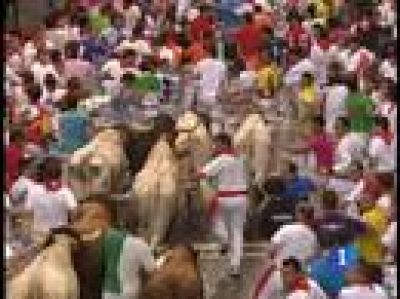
78, 68
323, 146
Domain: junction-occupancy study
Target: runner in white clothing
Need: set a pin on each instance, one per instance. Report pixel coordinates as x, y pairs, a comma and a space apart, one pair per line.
296, 240
228, 209
349, 148
381, 148
50, 201
292, 283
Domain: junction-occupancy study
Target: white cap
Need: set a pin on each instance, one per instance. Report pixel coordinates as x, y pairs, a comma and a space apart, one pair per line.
193, 14
166, 53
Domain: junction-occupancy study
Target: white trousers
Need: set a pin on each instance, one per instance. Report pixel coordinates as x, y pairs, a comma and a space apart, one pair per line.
228, 225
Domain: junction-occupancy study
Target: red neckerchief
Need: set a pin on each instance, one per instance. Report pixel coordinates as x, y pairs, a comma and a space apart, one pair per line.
386, 136
263, 281
301, 284
53, 185
219, 152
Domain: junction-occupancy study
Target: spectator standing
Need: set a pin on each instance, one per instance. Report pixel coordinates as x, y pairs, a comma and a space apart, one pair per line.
249, 42
14, 155
370, 245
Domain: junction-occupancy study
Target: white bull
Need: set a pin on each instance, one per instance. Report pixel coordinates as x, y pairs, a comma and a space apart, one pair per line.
155, 190
50, 276
253, 139
99, 166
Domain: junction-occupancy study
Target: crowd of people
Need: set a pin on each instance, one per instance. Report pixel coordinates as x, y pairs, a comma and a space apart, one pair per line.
329, 67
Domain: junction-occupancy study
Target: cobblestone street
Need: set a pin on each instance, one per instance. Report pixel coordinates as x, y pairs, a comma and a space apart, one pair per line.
216, 280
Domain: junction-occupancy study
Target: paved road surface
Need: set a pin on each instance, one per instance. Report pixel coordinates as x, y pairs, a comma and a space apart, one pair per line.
214, 268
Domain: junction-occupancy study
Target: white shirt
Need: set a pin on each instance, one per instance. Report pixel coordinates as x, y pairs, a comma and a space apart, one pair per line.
364, 292
388, 70
50, 209
335, 105
40, 71
54, 96
247, 79
113, 68
230, 172
295, 240
182, 7
212, 73
320, 58
349, 148
343, 187
295, 73
382, 153
131, 16
15, 62
343, 56
387, 14
29, 53
21, 187
389, 239
385, 202
357, 59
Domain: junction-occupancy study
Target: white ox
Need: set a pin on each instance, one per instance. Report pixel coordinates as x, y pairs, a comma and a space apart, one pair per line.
253, 139
155, 191
50, 276
98, 166
160, 186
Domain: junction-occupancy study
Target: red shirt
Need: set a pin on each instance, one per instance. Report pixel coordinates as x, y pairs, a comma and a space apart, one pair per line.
372, 185
297, 36
33, 132
249, 39
323, 146
337, 34
196, 52
199, 26
14, 155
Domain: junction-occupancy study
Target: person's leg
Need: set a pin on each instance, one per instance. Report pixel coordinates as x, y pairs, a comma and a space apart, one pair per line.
219, 226
237, 219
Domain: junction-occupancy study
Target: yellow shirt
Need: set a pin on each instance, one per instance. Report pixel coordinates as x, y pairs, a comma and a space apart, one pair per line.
308, 94
322, 10
269, 77
370, 245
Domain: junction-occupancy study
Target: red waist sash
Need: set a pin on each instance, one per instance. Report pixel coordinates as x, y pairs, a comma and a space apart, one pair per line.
221, 194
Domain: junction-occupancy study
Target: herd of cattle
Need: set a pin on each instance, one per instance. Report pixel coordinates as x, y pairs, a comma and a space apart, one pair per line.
161, 162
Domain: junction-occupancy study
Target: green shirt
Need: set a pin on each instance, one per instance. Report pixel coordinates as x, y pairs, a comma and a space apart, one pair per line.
146, 82
112, 246
360, 110
99, 22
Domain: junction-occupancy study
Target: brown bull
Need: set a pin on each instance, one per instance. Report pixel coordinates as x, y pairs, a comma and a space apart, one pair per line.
177, 278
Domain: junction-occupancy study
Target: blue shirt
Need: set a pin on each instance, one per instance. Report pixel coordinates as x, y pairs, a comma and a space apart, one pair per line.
94, 49
73, 131
298, 188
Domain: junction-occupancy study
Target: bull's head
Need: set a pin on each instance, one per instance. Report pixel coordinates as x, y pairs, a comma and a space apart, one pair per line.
90, 175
